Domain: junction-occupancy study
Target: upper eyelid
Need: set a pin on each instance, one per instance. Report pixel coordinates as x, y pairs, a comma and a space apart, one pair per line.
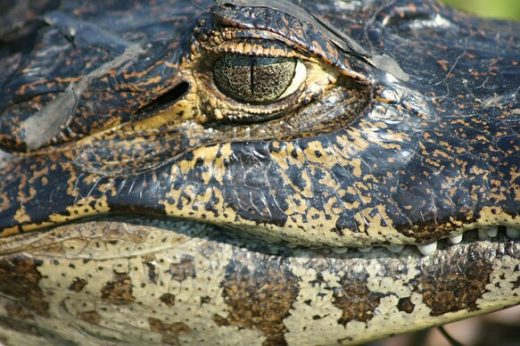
253, 50
304, 40
252, 42
299, 13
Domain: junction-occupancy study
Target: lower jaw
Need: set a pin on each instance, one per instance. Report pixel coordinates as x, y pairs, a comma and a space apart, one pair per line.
157, 281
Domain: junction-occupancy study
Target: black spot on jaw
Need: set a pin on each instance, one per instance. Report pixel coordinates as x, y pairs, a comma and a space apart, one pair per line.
262, 309
355, 299
406, 305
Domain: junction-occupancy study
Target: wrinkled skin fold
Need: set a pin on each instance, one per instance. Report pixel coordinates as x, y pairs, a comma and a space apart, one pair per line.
139, 203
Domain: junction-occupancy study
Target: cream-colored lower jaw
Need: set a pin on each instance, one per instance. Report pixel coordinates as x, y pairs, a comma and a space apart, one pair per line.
176, 282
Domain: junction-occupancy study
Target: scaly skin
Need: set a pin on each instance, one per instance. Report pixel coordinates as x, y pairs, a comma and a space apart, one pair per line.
109, 283
238, 216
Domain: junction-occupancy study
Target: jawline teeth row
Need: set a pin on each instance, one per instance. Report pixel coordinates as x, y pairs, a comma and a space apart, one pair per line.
428, 249
483, 234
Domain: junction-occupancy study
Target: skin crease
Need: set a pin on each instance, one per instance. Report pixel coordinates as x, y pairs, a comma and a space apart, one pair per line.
172, 213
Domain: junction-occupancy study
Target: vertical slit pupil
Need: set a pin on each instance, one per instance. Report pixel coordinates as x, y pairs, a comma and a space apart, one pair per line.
256, 80
252, 76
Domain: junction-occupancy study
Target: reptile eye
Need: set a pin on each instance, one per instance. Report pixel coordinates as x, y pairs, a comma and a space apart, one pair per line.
258, 80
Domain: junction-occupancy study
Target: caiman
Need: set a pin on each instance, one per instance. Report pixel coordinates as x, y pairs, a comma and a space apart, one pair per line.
254, 172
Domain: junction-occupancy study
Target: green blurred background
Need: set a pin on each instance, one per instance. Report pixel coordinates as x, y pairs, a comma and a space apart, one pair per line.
509, 9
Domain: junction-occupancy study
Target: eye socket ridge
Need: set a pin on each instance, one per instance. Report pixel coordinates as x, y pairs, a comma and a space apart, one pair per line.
241, 75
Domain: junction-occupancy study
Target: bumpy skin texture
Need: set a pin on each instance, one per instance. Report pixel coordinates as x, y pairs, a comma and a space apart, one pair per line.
111, 282
110, 109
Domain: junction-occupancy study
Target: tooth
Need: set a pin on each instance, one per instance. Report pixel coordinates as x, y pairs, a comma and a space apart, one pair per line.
340, 250
455, 239
365, 249
427, 249
492, 232
513, 233
395, 248
482, 234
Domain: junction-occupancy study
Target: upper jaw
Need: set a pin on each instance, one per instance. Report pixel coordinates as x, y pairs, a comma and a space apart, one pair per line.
402, 170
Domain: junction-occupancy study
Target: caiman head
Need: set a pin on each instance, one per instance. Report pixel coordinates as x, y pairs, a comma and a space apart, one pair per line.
267, 126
